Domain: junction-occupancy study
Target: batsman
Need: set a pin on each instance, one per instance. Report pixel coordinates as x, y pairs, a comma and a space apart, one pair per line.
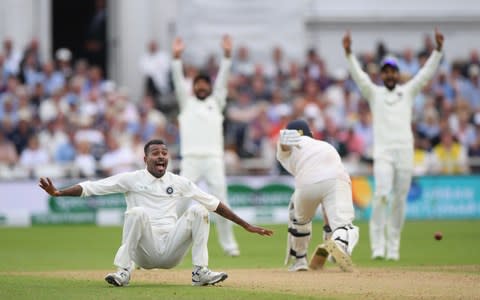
391, 106
320, 179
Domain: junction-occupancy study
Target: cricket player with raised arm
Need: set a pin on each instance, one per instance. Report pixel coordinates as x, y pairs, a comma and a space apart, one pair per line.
201, 133
154, 236
391, 106
320, 179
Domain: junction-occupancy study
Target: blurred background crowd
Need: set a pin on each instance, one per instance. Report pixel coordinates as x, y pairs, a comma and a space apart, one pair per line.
63, 118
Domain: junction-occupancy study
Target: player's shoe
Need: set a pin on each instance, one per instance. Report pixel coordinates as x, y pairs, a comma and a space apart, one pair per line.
300, 264
204, 276
393, 256
378, 255
233, 252
119, 278
339, 252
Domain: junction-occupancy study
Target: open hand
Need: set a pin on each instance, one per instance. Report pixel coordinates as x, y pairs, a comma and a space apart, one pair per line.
347, 42
227, 45
439, 38
258, 230
177, 47
47, 185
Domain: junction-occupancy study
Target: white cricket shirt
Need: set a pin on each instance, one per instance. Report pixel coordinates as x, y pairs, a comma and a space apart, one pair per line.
157, 195
201, 121
392, 110
312, 161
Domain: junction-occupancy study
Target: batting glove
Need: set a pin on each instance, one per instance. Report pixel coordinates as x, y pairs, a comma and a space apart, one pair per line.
289, 137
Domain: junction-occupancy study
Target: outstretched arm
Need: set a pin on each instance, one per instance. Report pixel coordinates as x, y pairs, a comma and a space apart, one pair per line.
361, 78
220, 89
177, 72
227, 213
428, 70
47, 185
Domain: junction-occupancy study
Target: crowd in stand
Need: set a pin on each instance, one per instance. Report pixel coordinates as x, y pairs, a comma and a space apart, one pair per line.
64, 118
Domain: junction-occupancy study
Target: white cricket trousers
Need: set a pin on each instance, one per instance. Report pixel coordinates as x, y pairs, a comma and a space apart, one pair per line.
149, 248
393, 175
334, 194
212, 170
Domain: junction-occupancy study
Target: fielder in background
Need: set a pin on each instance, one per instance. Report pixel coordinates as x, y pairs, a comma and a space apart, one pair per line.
153, 235
391, 106
201, 133
320, 178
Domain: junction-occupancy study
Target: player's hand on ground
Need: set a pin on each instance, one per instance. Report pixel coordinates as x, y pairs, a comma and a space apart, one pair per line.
439, 38
347, 42
258, 230
227, 45
177, 47
47, 185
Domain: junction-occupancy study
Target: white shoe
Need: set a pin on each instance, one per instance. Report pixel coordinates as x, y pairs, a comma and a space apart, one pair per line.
342, 258
300, 264
393, 256
119, 278
203, 276
233, 252
378, 255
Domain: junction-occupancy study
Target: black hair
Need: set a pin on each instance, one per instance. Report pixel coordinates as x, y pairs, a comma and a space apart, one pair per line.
152, 142
204, 77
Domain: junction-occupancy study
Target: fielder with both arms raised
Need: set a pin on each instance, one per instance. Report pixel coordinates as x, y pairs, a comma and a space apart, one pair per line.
201, 133
391, 107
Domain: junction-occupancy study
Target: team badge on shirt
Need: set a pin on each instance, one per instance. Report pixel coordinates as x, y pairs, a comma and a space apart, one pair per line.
169, 190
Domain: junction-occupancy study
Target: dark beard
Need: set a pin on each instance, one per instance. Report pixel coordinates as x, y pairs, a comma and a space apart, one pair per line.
201, 96
390, 87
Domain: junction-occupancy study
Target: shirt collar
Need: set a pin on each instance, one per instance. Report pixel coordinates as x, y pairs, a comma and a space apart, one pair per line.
152, 178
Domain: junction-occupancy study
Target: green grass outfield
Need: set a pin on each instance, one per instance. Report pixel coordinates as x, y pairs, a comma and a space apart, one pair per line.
50, 248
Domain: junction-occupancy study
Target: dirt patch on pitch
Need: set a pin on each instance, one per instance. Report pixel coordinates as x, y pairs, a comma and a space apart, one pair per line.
446, 282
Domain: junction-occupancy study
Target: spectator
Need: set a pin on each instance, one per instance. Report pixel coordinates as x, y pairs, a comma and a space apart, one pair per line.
242, 64
12, 57
8, 154
84, 161
449, 157
155, 66
64, 62
117, 159
51, 79
65, 152
33, 156
21, 135
52, 137
52, 107
277, 66
421, 156
408, 63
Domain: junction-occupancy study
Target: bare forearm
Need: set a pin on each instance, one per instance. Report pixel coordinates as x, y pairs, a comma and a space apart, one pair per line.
75, 190
227, 213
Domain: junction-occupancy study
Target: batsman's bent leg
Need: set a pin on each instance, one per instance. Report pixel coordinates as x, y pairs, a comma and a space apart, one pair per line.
298, 239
